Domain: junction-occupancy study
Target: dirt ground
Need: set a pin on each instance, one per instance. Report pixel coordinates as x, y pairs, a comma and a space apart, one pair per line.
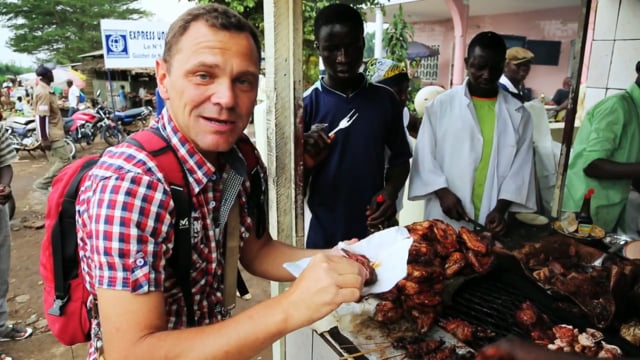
25, 289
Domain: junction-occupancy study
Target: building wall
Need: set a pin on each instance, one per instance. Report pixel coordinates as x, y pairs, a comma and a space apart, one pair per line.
560, 24
615, 49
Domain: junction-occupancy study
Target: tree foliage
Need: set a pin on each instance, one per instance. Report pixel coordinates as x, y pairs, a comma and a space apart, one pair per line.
60, 30
253, 11
397, 37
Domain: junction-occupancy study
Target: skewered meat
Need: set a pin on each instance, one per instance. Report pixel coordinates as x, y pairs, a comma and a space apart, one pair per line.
422, 300
461, 329
446, 235
420, 349
493, 353
444, 353
420, 273
480, 263
388, 312
408, 287
424, 319
455, 262
421, 252
473, 241
372, 277
391, 295
535, 323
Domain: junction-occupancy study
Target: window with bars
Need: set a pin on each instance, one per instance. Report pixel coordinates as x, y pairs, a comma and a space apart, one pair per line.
427, 68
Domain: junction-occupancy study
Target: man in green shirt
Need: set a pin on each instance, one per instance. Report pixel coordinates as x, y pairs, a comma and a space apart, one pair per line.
606, 157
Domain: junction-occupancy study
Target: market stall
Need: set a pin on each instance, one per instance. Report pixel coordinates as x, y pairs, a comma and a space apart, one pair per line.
535, 272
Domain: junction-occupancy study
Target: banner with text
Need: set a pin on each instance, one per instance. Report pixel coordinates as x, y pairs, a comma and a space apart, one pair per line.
132, 44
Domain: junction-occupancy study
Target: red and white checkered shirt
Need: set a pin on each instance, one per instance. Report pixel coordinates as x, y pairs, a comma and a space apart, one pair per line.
125, 227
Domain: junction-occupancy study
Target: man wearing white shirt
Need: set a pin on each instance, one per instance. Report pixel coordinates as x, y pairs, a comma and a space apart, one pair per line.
74, 97
474, 155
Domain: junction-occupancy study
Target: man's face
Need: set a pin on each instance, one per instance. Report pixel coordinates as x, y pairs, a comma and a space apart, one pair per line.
210, 86
517, 72
484, 68
341, 49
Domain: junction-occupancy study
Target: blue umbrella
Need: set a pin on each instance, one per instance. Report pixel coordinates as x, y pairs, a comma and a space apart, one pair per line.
417, 50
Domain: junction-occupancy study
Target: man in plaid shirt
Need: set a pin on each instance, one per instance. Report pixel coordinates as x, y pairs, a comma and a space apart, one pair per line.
208, 77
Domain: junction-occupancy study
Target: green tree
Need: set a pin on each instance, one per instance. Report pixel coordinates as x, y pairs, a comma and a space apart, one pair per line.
253, 11
397, 37
12, 70
369, 45
60, 30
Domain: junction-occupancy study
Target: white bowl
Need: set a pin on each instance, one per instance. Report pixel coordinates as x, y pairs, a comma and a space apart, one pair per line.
532, 219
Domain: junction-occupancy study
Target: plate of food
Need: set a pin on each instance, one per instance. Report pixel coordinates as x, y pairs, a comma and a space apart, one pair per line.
597, 233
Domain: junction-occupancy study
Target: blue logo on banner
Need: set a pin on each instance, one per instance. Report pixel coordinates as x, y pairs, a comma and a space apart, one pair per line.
116, 41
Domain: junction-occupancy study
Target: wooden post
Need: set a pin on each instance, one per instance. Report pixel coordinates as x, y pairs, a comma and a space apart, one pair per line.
283, 56
570, 118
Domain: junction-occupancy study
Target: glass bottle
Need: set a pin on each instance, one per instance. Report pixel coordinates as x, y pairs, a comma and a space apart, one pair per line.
585, 222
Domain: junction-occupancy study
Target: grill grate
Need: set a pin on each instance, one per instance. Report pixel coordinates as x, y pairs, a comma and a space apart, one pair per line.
492, 305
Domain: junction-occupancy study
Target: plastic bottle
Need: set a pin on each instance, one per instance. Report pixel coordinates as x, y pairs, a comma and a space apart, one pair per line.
585, 222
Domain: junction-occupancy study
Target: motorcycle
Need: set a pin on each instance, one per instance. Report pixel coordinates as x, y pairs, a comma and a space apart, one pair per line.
125, 123
85, 125
24, 136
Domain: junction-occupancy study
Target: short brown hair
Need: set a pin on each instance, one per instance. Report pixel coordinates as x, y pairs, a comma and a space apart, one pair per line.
216, 16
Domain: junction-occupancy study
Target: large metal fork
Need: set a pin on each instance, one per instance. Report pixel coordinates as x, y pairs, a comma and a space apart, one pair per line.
344, 123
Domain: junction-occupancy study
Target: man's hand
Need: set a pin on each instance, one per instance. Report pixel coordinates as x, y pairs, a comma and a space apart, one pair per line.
46, 144
495, 221
326, 283
316, 145
381, 208
451, 204
5, 194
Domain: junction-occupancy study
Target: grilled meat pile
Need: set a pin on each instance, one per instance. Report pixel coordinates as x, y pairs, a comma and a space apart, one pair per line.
419, 347
563, 337
564, 266
465, 331
438, 253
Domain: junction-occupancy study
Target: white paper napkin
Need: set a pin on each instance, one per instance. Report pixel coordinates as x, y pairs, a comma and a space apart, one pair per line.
388, 248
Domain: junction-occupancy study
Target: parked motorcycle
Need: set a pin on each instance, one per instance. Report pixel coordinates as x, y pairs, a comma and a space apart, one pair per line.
125, 123
84, 126
24, 135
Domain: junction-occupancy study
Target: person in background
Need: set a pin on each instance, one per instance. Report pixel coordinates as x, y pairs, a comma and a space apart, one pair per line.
516, 69
74, 97
474, 154
561, 100
606, 158
208, 77
19, 104
391, 74
352, 185
50, 128
7, 156
122, 99
159, 103
561, 96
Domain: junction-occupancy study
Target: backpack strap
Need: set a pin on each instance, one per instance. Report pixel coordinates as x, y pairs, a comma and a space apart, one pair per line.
230, 216
155, 143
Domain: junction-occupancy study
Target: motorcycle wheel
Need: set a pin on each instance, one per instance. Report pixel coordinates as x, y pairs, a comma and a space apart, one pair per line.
71, 147
113, 135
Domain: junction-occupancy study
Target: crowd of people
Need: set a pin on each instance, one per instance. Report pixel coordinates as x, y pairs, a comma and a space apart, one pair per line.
473, 162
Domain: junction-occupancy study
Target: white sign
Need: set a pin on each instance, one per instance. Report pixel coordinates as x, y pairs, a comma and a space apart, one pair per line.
132, 44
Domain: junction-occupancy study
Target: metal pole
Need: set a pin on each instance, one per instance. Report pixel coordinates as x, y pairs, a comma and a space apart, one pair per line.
570, 119
113, 104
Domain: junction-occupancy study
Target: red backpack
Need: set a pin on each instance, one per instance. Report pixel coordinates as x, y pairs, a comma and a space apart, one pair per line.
65, 295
